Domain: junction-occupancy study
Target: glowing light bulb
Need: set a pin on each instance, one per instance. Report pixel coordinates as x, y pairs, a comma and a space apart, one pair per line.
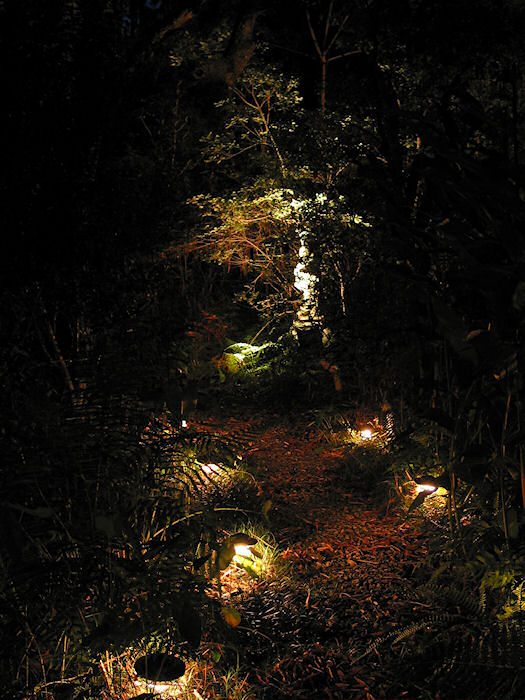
425, 488
243, 550
184, 423
366, 434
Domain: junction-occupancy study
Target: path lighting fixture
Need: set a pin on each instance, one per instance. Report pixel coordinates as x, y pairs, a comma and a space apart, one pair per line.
239, 545
432, 486
156, 687
244, 550
159, 672
242, 545
184, 423
366, 434
248, 558
426, 488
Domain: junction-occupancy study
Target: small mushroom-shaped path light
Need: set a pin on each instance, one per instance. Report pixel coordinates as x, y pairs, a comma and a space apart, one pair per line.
432, 486
242, 544
239, 544
158, 670
426, 488
243, 550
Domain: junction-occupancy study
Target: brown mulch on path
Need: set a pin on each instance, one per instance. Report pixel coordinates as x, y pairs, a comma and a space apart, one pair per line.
307, 631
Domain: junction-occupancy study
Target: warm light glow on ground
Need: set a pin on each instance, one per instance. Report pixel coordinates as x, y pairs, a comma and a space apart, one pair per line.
157, 687
170, 690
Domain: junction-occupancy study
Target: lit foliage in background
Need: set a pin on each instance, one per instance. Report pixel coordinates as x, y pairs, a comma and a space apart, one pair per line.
260, 113
251, 227
246, 359
419, 134
250, 231
291, 198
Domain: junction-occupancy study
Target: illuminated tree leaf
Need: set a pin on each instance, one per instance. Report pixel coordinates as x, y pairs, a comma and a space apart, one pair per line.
266, 507
226, 554
231, 616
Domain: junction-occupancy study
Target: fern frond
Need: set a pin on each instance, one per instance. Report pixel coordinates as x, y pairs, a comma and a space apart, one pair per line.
452, 598
406, 632
411, 630
483, 598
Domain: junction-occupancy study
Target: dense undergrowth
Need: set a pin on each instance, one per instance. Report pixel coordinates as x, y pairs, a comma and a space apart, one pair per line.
119, 521
118, 518
192, 195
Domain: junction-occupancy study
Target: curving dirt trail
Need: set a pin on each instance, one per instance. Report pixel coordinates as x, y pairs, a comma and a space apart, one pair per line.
308, 633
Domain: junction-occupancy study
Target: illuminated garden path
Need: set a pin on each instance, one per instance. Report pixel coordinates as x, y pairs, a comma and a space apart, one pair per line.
347, 580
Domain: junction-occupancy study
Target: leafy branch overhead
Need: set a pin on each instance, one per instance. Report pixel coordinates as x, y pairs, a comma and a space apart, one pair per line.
249, 232
258, 117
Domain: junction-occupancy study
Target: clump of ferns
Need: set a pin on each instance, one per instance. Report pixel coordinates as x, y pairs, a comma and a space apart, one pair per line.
188, 470
459, 637
479, 659
488, 590
451, 606
481, 646
487, 629
429, 624
161, 521
335, 428
500, 575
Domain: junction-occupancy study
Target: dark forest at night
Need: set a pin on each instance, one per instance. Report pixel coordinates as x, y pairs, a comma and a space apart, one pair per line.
263, 296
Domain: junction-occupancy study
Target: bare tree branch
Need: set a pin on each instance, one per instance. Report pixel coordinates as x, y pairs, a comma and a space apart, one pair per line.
184, 17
